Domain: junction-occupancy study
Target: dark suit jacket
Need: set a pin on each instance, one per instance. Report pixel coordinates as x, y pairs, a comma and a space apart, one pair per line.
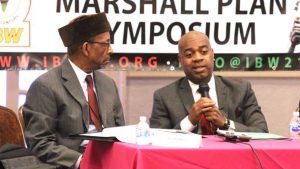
56, 107
236, 100
18, 157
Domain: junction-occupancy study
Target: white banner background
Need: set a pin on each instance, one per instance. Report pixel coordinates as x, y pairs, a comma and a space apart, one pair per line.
272, 31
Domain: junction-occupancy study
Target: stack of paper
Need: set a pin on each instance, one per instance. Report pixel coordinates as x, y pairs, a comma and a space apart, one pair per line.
159, 137
124, 134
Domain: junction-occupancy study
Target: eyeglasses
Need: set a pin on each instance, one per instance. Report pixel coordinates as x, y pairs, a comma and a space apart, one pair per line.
101, 43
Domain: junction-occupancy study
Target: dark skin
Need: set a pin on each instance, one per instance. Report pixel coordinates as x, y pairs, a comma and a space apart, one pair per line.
197, 60
93, 56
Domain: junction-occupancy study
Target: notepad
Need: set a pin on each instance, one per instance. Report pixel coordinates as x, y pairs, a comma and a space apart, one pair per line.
262, 136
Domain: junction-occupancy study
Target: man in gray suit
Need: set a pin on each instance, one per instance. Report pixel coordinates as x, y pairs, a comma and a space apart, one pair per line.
227, 103
58, 103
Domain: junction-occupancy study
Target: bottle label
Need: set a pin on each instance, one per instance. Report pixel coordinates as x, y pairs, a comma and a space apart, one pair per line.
143, 134
294, 127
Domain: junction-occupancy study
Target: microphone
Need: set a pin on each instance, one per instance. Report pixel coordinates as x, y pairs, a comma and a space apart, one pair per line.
294, 35
204, 90
232, 136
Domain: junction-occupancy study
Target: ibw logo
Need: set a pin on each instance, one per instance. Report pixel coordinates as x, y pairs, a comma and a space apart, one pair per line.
14, 29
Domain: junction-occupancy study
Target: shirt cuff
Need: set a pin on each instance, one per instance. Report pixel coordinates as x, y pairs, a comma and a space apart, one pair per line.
186, 125
231, 126
77, 164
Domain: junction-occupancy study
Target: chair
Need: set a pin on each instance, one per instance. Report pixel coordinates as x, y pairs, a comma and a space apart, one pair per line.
11, 131
21, 117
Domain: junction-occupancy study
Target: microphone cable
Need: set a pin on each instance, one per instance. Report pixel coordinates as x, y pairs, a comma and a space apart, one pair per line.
255, 154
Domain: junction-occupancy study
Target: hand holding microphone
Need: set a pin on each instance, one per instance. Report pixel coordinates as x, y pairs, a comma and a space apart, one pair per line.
212, 113
204, 104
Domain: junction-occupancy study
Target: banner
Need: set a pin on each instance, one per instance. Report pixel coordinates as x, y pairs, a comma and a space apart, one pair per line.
250, 35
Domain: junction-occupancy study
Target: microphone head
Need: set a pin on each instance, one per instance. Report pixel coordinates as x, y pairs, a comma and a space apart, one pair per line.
204, 90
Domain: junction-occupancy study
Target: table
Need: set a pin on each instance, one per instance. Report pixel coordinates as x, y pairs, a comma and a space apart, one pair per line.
215, 154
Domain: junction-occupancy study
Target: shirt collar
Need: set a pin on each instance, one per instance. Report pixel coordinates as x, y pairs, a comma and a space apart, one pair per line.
81, 75
211, 84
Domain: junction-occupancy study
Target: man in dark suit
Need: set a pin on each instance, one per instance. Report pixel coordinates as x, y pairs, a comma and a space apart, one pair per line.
228, 104
58, 102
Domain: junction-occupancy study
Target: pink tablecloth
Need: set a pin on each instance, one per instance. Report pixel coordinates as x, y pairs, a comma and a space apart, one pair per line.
215, 154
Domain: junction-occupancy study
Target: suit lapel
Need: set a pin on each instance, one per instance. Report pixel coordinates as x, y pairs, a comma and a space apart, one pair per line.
73, 86
185, 94
221, 94
101, 101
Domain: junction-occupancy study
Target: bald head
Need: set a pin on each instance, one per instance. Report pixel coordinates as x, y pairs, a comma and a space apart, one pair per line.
192, 36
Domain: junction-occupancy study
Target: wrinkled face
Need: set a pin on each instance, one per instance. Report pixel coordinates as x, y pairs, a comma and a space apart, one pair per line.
196, 57
99, 51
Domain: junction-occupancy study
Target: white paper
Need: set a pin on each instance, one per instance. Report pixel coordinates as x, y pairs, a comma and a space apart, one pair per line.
124, 133
175, 138
159, 137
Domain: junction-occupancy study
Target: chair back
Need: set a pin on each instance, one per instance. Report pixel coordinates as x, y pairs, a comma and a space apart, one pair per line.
21, 117
11, 131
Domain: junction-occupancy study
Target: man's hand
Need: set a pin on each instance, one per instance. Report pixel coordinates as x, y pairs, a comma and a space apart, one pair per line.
211, 112
203, 105
215, 117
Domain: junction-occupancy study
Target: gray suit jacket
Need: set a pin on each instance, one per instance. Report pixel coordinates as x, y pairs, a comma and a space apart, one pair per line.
56, 107
236, 101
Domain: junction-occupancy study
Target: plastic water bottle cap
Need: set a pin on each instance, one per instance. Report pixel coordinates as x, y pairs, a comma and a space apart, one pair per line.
143, 118
295, 113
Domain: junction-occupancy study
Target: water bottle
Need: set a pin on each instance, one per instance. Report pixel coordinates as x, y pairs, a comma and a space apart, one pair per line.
143, 132
295, 126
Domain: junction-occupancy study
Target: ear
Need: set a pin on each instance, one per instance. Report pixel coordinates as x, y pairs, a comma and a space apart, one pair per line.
85, 48
212, 53
179, 58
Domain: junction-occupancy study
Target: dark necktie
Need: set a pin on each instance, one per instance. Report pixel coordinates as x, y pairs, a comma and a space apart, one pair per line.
206, 127
93, 104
